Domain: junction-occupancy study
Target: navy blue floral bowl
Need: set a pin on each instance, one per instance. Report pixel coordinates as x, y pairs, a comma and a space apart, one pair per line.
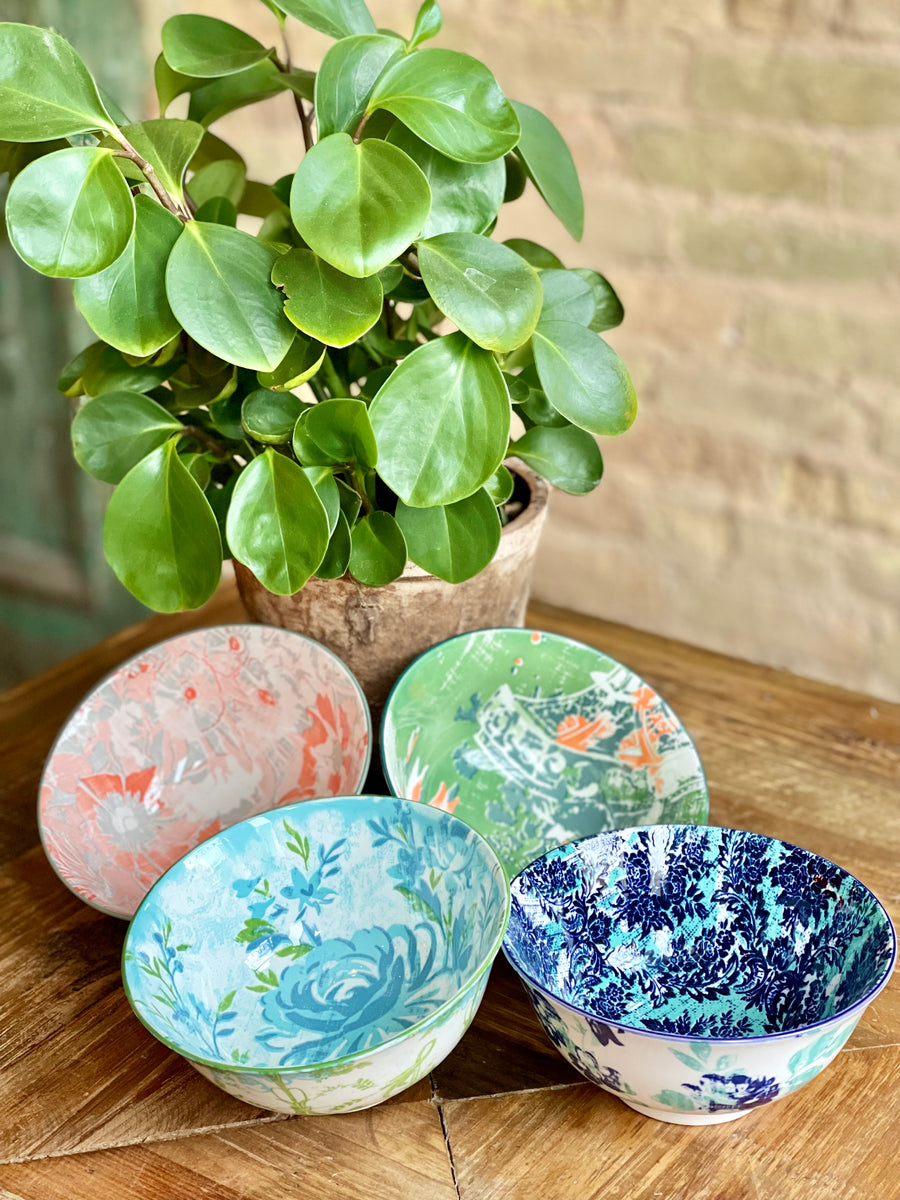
321, 957
696, 972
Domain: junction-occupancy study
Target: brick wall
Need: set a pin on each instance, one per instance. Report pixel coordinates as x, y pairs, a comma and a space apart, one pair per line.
741, 169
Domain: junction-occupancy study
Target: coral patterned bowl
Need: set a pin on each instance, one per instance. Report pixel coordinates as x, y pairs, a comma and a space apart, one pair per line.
321, 957
696, 972
188, 737
535, 739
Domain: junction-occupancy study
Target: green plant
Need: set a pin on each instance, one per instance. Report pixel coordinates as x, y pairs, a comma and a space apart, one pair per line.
361, 259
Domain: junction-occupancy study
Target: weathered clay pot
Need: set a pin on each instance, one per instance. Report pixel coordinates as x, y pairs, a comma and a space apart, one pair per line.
379, 631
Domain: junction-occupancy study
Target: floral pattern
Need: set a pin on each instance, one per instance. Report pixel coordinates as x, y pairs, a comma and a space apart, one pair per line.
552, 740
284, 993
707, 969
187, 738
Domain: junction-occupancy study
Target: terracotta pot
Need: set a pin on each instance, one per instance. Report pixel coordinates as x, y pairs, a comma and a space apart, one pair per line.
379, 631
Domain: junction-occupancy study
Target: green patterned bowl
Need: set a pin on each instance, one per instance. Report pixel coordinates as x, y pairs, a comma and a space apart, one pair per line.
535, 739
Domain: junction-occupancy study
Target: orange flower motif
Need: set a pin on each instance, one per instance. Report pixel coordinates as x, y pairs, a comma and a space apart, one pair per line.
644, 698
577, 732
441, 799
636, 750
266, 697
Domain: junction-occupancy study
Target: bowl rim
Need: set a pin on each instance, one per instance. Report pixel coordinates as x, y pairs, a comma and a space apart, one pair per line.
312, 1069
857, 1007
544, 633
136, 657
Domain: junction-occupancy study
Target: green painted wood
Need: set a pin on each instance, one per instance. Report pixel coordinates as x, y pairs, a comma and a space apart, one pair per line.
56, 593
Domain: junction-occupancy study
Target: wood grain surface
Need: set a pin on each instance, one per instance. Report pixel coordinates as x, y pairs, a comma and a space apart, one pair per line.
92, 1106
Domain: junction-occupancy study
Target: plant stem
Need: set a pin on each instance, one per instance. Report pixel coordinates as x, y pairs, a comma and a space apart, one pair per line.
359, 484
334, 381
167, 201
360, 127
410, 262
304, 116
212, 444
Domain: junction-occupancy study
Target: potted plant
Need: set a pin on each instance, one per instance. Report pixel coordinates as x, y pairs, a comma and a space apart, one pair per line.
319, 376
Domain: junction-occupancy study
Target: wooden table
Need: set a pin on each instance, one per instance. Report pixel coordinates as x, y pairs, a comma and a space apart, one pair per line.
92, 1107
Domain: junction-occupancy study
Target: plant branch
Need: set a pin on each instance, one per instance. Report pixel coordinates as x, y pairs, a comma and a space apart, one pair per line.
304, 116
167, 201
208, 441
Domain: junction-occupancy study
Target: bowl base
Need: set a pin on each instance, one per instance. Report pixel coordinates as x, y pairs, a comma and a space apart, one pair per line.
686, 1118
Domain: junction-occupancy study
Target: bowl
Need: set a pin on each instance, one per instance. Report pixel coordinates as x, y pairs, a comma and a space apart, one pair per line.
696, 972
321, 957
186, 738
535, 739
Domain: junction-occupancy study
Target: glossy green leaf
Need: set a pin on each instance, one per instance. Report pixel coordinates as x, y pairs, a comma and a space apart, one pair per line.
569, 457
199, 466
378, 550
219, 288
452, 102
207, 48
441, 422
301, 82
350, 501
300, 363
70, 213
358, 206
15, 156
222, 96
515, 178
390, 276
584, 378
346, 78
465, 197
567, 297
160, 535
71, 377
608, 310
258, 199
225, 415
212, 149
107, 370
455, 541
217, 211
226, 179
539, 256
500, 486
337, 556
322, 479
336, 18
112, 433
549, 163
485, 288
126, 304
533, 407
277, 526
335, 431
269, 417
46, 90
171, 84
428, 24
325, 303
168, 145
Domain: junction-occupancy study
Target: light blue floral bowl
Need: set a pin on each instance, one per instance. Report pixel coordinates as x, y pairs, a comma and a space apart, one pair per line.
696, 972
321, 957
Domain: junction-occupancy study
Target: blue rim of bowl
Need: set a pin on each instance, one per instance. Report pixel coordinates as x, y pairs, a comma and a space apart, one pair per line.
136, 657
357, 1055
862, 1003
544, 633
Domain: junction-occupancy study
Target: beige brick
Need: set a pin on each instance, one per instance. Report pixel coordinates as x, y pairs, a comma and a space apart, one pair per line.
818, 90
681, 310
873, 18
870, 180
814, 490
693, 15
783, 250
873, 500
775, 16
706, 160
821, 340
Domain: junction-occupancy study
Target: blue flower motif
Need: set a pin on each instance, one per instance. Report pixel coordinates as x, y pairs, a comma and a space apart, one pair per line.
348, 994
717, 1093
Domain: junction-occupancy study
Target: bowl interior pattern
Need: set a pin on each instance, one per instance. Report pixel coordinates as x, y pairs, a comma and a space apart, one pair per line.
187, 738
313, 932
536, 739
698, 931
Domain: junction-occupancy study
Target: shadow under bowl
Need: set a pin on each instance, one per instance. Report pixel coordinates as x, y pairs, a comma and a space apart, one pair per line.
536, 739
321, 957
186, 738
696, 972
